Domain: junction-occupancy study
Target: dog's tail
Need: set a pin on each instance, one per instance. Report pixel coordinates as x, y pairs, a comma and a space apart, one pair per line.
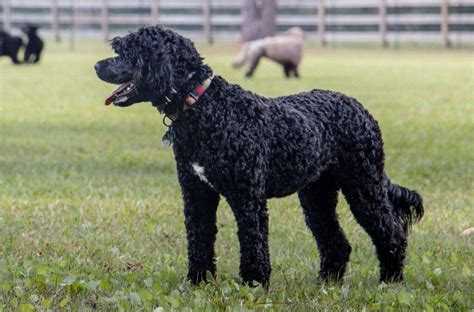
243, 56
408, 205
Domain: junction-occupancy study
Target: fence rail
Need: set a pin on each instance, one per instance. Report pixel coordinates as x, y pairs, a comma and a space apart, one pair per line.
386, 21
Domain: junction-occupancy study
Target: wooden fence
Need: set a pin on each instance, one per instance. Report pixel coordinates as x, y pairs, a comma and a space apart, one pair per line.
384, 21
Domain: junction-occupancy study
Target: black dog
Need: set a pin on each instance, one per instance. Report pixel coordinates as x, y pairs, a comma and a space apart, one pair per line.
35, 44
247, 148
9, 46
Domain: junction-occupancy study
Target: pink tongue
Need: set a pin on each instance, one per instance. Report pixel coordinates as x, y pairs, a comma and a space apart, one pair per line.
109, 100
113, 96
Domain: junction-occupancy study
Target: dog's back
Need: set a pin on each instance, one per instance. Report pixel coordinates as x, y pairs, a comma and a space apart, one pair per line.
343, 115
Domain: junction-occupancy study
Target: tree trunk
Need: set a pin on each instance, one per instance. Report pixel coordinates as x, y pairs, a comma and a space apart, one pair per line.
259, 19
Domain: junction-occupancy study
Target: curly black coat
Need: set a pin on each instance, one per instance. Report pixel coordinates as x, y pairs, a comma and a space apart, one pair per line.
248, 148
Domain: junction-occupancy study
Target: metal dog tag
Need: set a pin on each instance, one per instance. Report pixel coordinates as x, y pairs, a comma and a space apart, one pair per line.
168, 137
166, 142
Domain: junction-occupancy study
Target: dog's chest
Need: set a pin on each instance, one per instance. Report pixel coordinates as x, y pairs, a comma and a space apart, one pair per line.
200, 172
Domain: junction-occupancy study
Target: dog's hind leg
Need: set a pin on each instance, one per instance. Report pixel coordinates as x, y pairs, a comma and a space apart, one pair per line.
252, 221
319, 200
200, 206
365, 188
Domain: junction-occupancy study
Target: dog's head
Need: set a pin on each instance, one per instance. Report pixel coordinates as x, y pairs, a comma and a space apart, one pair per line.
152, 64
29, 29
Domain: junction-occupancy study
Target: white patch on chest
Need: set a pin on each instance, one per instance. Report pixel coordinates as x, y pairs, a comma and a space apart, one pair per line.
199, 172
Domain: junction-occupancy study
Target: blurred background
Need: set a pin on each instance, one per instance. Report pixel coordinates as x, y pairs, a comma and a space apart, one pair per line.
386, 22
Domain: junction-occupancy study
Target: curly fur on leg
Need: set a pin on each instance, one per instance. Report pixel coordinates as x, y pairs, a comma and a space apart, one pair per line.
319, 201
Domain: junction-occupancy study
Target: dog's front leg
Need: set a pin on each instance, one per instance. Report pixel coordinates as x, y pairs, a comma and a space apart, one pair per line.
252, 221
200, 205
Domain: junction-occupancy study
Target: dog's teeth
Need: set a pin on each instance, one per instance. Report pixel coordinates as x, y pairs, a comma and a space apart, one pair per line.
121, 100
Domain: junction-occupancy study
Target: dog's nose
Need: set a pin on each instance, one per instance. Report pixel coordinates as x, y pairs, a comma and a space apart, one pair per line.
96, 66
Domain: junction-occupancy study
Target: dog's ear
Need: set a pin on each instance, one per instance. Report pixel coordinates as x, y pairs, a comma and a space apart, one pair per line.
159, 72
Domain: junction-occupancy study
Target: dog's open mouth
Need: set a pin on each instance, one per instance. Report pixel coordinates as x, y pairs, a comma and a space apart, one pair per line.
121, 94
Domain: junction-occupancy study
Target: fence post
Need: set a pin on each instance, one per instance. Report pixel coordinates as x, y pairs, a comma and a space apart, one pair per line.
6, 15
445, 22
105, 19
383, 23
55, 20
154, 12
322, 23
73, 22
207, 24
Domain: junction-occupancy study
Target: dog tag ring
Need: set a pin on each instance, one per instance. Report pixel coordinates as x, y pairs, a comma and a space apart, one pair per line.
170, 134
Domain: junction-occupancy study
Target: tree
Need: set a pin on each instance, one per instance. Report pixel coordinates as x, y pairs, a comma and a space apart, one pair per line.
259, 19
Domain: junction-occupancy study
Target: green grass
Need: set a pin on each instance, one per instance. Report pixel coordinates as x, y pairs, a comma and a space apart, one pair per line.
91, 213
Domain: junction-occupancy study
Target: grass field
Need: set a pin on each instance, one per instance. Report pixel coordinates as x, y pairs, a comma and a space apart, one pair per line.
91, 214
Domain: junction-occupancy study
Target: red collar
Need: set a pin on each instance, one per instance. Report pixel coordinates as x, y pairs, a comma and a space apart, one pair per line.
193, 96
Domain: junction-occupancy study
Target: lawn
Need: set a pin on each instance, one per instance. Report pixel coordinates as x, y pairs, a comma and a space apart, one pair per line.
91, 213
